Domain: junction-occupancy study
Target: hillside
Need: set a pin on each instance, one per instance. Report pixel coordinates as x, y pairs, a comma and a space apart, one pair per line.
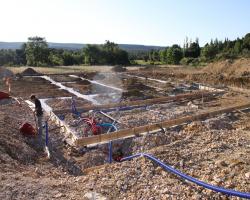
75, 46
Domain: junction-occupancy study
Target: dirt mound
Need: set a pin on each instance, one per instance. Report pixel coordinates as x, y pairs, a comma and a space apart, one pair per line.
13, 146
237, 67
30, 72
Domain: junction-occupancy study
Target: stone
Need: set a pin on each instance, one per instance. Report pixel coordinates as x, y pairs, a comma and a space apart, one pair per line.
94, 196
59, 195
247, 175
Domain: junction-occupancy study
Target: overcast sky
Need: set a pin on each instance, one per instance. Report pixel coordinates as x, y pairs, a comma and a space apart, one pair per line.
150, 22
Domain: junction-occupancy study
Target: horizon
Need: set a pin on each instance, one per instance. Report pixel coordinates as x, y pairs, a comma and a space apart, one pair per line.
82, 43
159, 23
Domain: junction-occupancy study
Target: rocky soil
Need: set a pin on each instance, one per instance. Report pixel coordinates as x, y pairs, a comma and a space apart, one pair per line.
215, 151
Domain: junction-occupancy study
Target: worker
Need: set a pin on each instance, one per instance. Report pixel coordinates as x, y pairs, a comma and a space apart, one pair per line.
39, 117
7, 76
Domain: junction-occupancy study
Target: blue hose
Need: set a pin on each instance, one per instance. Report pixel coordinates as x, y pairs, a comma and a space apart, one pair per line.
46, 134
73, 108
125, 108
189, 178
108, 125
110, 152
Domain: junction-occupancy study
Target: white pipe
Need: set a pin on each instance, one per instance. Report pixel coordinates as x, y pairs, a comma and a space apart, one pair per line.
151, 79
71, 90
98, 83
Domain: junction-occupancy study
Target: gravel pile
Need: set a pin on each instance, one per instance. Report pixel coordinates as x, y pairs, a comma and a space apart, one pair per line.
152, 114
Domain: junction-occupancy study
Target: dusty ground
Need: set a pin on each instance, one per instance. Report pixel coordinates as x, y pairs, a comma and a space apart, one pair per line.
208, 151
215, 150
228, 72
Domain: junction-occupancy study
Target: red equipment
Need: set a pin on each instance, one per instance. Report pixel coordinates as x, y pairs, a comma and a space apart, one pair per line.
27, 129
92, 126
4, 95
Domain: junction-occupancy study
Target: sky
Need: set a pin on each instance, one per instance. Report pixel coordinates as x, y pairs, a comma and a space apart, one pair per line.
148, 22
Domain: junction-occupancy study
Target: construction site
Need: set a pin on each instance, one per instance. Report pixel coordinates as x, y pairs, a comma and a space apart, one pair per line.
147, 133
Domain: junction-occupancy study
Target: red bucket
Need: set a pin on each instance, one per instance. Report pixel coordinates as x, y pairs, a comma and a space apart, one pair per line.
27, 129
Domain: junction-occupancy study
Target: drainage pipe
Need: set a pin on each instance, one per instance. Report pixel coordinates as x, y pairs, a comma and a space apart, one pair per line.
47, 139
189, 178
110, 152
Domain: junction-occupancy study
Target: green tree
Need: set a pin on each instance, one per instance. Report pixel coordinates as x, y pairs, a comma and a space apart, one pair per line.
92, 54
55, 59
174, 54
246, 41
67, 58
36, 50
163, 55
237, 47
209, 51
192, 49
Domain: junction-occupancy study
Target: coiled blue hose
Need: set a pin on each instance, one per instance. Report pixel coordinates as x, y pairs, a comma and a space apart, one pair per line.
189, 178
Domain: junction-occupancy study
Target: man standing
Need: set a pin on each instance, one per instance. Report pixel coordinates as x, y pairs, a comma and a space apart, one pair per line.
39, 117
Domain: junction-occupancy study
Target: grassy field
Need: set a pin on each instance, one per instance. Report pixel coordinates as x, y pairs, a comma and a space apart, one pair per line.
61, 69
143, 62
67, 69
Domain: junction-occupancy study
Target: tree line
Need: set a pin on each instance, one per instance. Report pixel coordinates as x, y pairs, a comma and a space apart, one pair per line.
192, 54
35, 52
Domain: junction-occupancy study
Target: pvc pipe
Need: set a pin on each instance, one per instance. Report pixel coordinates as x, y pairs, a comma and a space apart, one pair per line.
108, 116
46, 134
122, 108
189, 178
47, 139
110, 152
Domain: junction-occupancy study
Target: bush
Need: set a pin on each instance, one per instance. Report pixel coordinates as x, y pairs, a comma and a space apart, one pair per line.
148, 67
119, 69
225, 55
190, 61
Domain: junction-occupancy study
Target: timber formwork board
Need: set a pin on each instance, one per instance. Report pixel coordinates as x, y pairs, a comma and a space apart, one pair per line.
190, 96
149, 128
69, 134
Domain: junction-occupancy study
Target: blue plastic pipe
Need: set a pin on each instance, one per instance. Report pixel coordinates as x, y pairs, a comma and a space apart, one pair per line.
110, 152
108, 125
46, 134
73, 107
189, 178
125, 108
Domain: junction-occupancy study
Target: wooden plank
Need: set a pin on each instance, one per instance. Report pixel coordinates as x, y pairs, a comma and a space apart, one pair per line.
141, 102
147, 128
64, 128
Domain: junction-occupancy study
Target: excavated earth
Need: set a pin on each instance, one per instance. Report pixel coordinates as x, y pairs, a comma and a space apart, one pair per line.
215, 150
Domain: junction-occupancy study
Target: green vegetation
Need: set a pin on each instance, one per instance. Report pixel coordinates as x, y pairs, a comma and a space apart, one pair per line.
193, 54
109, 53
36, 52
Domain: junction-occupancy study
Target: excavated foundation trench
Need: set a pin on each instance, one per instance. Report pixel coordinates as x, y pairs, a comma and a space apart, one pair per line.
87, 91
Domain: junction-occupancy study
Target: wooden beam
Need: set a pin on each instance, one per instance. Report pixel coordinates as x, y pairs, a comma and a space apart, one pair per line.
148, 128
192, 95
62, 126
